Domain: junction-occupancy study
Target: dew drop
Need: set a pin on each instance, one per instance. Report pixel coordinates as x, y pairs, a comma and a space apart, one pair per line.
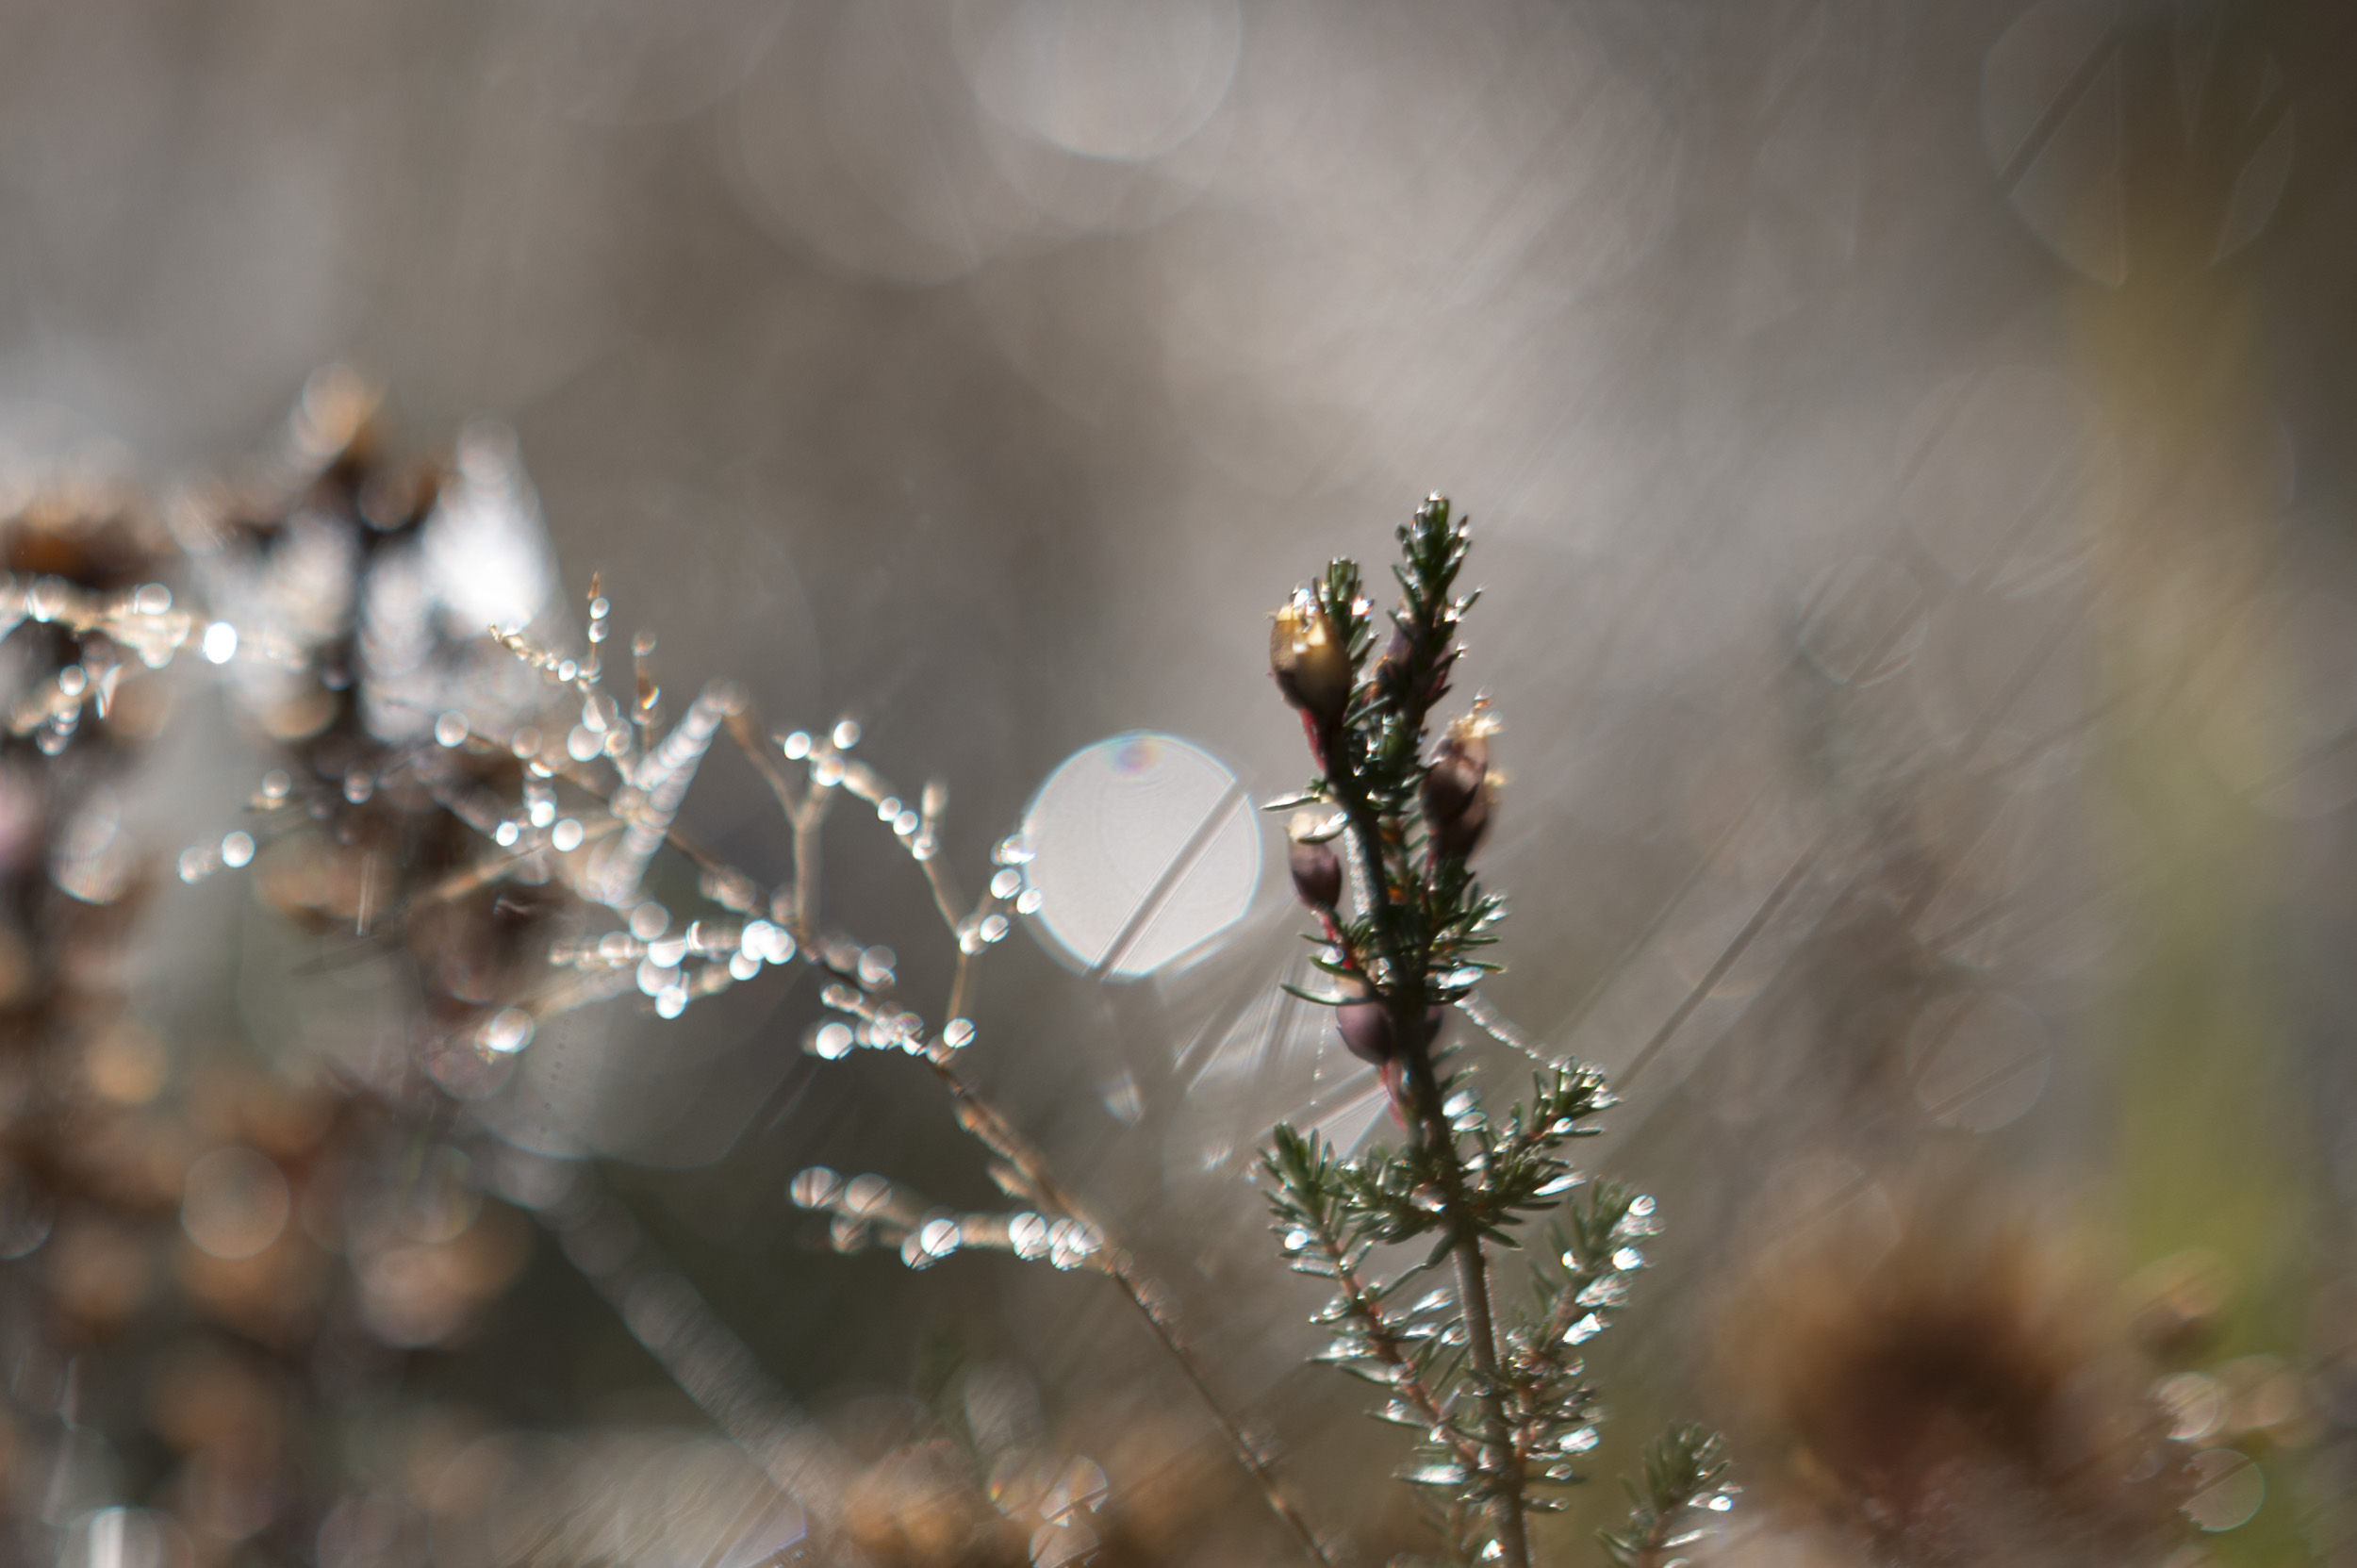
1007, 884
815, 1188
450, 729
236, 849
1027, 1233
507, 1031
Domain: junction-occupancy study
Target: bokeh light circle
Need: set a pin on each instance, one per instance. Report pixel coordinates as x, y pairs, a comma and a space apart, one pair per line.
1142, 848
234, 1203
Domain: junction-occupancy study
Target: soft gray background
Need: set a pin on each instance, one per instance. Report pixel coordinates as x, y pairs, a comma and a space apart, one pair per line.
988, 369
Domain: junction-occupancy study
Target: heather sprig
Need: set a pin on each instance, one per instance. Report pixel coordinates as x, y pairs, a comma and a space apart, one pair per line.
1501, 1405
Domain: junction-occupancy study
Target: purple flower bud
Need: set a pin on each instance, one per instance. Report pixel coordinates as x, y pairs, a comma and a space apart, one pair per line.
1459, 788
1366, 1027
1457, 836
1453, 785
1317, 875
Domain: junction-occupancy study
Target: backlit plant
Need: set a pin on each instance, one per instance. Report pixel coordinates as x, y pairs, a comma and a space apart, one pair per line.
1496, 1395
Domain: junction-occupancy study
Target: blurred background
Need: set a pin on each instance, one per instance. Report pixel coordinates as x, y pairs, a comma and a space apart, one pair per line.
1906, 447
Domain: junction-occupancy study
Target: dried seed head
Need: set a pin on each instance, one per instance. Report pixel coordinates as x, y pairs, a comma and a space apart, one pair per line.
1950, 1386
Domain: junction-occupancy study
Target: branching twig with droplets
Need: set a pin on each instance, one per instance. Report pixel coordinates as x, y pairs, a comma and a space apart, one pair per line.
638, 782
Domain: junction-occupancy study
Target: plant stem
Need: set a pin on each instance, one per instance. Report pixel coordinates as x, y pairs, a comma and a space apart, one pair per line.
1405, 995
1152, 1300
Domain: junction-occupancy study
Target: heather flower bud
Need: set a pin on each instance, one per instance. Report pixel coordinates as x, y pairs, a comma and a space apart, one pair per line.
1306, 656
1366, 1027
1459, 836
1459, 788
1317, 868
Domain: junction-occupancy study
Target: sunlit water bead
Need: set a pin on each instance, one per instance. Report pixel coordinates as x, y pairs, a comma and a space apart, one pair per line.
1012, 855
1026, 1233
930, 1243
235, 851
505, 1032
1071, 1244
1142, 848
766, 943
816, 1188
831, 1041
